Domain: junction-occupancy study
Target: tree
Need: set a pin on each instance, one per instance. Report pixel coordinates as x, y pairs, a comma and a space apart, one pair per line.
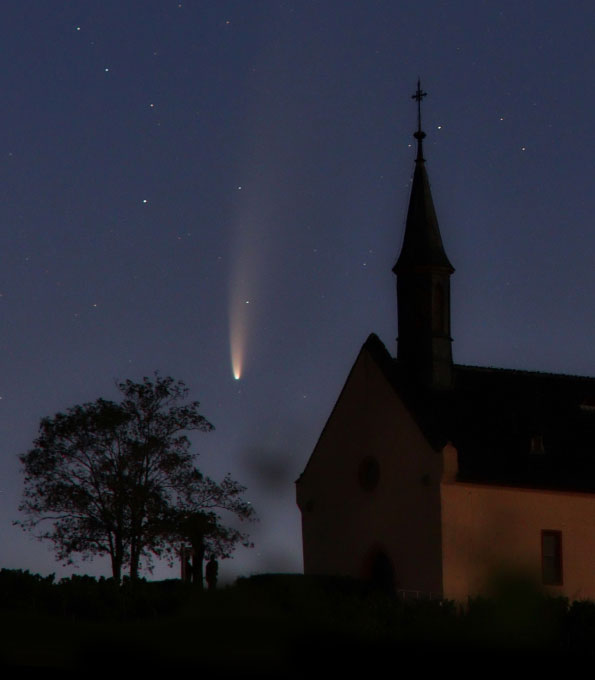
107, 478
196, 521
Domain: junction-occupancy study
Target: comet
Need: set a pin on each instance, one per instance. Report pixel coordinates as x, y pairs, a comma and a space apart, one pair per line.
236, 348
238, 326
250, 244
242, 282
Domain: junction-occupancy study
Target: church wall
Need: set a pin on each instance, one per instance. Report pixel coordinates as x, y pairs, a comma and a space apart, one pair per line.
346, 526
491, 531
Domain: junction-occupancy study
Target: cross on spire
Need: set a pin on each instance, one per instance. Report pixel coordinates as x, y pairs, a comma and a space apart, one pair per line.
418, 96
419, 134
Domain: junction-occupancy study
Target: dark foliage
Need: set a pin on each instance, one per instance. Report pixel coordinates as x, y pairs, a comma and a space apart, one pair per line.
195, 521
278, 624
22, 590
580, 628
115, 479
84, 598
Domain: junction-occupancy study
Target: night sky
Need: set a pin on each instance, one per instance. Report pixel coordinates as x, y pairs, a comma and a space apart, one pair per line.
187, 181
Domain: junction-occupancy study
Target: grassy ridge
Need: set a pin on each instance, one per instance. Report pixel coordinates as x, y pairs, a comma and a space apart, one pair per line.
277, 625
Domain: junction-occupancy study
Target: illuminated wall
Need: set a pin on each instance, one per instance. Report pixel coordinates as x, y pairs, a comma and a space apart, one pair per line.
488, 531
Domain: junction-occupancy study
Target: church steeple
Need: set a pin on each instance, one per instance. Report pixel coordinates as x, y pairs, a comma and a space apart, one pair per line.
423, 282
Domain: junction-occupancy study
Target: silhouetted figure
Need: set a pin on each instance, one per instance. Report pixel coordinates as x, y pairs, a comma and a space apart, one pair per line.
211, 573
186, 564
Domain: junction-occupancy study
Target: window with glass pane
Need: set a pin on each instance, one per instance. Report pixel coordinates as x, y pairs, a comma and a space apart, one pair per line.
551, 557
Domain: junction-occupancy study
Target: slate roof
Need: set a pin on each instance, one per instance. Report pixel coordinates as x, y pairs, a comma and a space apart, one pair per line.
510, 427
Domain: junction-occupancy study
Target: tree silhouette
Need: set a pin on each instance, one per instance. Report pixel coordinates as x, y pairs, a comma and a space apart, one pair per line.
107, 478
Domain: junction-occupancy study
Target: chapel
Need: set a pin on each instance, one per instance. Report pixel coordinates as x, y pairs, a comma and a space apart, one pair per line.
433, 478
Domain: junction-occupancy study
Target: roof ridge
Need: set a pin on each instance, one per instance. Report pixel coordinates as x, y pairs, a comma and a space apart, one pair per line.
522, 371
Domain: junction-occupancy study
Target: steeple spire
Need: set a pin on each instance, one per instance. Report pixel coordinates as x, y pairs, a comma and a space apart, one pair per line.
423, 281
422, 244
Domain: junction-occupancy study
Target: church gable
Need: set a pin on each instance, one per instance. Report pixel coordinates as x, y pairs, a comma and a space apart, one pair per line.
371, 470
369, 409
